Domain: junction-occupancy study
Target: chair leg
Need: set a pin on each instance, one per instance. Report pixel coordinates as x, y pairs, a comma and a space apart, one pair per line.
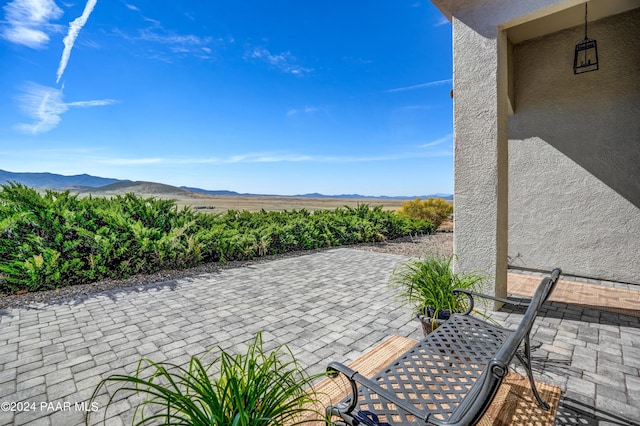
345, 419
341, 411
526, 362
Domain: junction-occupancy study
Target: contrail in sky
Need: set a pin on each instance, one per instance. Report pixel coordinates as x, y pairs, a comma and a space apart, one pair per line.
74, 28
420, 86
46, 105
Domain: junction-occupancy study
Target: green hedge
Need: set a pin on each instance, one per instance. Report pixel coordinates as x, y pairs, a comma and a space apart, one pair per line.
56, 239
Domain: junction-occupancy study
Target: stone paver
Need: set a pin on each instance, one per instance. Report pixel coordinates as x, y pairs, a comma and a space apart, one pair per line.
332, 305
581, 338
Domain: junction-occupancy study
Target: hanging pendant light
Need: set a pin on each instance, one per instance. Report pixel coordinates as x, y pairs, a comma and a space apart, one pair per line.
586, 56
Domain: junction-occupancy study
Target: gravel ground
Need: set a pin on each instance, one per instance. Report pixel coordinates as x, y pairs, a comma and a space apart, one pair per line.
438, 244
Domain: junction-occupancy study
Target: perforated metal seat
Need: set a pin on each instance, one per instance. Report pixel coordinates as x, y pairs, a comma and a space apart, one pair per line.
449, 377
449, 363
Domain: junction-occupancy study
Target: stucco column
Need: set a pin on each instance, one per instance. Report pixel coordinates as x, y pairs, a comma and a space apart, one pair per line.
480, 153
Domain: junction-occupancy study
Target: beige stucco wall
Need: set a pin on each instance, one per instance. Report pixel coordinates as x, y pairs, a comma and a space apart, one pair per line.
480, 216
568, 158
574, 154
481, 93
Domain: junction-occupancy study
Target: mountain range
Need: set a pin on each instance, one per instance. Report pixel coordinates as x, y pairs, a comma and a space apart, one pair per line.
109, 186
54, 181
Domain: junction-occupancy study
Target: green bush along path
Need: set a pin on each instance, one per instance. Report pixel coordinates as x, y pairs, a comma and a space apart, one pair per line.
56, 239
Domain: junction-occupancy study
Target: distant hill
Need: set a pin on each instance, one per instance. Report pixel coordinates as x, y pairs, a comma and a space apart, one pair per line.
55, 181
85, 183
380, 197
210, 192
142, 188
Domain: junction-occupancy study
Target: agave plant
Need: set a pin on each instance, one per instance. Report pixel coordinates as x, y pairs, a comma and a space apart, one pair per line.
427, 285
255, 389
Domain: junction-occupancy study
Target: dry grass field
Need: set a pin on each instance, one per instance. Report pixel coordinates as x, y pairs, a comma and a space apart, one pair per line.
222, 203
271, 203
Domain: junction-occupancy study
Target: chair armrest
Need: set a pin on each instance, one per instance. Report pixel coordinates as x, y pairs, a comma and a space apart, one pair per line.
553, 279
470, 294
356, 378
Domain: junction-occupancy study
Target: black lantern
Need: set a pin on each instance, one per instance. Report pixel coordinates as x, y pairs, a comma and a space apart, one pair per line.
586, 56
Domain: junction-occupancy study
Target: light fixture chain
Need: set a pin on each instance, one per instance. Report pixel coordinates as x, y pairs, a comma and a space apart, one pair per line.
585, 20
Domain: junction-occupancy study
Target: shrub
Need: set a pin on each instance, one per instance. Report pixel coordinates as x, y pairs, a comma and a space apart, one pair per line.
435, 210
55, 239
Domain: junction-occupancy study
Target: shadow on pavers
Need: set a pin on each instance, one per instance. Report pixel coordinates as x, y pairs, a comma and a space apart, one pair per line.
574, 412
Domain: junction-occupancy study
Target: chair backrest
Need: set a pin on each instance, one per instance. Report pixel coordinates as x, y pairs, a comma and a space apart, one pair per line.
542, 293
555, 275
472, 408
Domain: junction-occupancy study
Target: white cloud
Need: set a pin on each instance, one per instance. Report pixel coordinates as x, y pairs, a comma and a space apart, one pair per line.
376, 158
263, 157
26, 36
131, 161
420, 86
90, 43
356, 60
28, 22
305, 110
442, 21
74, 29
174, 39
284, 61
273, 157
415, 107
45, 105
48, 152
169, 45
132, 7
85, 104
446, 138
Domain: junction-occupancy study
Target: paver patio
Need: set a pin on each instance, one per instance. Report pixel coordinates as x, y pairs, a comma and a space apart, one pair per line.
331, 305
588, 343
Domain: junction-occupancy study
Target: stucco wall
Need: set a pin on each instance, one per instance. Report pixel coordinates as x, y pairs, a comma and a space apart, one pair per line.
480, 111
574, 154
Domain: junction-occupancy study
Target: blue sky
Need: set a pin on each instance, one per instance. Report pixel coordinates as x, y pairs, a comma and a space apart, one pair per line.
270, 97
